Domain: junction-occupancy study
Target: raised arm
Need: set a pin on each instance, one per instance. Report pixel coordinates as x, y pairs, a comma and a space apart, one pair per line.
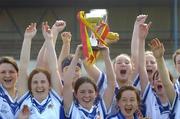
135, 44
22, 82
109, 92
68, 79
92, 70
58, 26
52, 59
143, 32
158, 52
65, 50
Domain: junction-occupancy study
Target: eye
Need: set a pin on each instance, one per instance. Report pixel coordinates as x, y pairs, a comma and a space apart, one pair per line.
3, 72
124, 100
152, 62
132, 99
43, 81
90, 91
119, 62
82, 91
35, 82
11, 71
127, 62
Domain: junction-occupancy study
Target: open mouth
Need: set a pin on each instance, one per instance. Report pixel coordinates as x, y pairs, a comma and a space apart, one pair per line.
86, 100
123, 72
159, 87
8, 81
39, 91
149, 71
128, 110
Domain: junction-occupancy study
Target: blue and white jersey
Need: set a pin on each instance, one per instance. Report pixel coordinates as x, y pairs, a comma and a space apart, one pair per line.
177, 85
175, 114
136, 82
114, 107
78, 112
49, 108
119, 115
152, 107
8, 106
102, 83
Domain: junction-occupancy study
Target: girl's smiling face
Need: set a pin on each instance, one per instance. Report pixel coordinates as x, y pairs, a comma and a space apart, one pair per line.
128, 103
40, 86
86, 95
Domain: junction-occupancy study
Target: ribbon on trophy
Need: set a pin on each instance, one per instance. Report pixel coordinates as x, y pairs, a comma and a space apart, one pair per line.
101, 32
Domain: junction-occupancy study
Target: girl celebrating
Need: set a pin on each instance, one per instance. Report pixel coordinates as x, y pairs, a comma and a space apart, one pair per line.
128, 101
42, 90
8, 91
87, 104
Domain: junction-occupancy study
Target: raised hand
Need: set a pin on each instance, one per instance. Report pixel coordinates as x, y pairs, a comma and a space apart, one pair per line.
25, 112
66, 37
144, 30
104, 51
79, 51
30, 31
141, 19
46, 31
58, 26
157, 48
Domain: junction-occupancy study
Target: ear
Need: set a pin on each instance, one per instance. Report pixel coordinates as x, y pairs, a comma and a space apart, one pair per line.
75, 95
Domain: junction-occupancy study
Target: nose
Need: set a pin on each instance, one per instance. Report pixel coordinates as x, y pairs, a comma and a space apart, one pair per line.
7, 74
86, 94
123, 63
39, 85
147, 63
128, 102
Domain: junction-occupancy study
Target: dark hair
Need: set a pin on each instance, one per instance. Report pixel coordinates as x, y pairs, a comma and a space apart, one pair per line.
67, 61
82, 80
177, 52
156, 74
10, 60
36, 71
131, 88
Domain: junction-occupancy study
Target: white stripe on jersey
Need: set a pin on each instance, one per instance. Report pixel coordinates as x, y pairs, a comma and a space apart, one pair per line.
152, 105
177, 85
78, 112
50, 108
175, 107
119, 115
102, 83
8, 106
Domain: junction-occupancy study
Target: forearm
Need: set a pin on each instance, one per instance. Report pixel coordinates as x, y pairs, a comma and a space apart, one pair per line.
164, 75
108, 96
23, 67
142, 67
135, 41
92, 70
65, 51
53, 67
41, 59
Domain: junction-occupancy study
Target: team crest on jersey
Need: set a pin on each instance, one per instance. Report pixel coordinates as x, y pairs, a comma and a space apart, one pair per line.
50, 106
4, 109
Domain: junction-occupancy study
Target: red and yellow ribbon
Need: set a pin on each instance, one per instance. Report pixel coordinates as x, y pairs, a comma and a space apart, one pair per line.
87, 49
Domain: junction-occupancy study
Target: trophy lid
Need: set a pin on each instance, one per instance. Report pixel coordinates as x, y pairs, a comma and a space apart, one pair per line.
95, 15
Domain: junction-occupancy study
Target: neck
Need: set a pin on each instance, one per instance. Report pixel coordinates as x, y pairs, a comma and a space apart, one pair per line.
130, 117
163, 98
12, 92
123, 83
